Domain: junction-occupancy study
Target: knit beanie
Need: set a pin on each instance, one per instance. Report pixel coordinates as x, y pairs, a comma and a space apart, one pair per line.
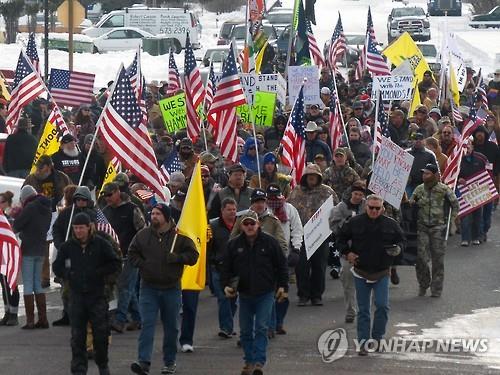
26, 192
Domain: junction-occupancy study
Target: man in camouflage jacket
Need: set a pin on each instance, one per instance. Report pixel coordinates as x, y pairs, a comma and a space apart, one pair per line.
340, 176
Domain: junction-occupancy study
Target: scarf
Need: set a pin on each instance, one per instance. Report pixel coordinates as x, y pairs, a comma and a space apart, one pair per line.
277, 205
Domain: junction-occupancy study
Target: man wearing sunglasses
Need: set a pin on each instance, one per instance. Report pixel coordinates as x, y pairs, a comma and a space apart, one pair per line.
369, 242
255, 267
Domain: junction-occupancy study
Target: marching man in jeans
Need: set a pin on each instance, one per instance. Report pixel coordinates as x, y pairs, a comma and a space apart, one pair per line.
254, 266
370, 241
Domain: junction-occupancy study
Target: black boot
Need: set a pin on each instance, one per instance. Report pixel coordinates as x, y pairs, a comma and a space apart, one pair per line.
394, 276
4, 320
64, 321
12, 321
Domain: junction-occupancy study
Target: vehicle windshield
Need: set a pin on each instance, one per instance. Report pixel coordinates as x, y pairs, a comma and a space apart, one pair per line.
428, 50
216, 56
355, 39
279, 18
226, 30
407, 12
239, 32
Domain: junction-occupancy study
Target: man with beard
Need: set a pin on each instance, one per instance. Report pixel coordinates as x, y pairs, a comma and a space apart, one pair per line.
434, 201
446, 139
161, 264
187, 156
68, 159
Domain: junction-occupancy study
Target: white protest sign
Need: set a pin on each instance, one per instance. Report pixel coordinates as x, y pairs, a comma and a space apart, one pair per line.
393, 87
296, 75
390, 172
273, 83
317, 229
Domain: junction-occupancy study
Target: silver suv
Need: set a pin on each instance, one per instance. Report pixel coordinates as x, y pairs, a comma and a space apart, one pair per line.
414, 20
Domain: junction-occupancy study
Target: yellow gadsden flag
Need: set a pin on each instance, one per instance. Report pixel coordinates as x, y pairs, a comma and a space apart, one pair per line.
48, 145
111, 171
193, 224
454, 85
404, 48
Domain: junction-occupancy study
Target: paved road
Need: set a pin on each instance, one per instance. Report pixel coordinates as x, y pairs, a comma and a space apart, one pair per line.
472, 282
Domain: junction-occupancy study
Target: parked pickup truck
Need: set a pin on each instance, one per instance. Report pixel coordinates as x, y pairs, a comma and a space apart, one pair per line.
414, 20
490, 19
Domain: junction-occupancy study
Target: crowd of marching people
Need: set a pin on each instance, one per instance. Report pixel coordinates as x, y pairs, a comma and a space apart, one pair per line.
109, 237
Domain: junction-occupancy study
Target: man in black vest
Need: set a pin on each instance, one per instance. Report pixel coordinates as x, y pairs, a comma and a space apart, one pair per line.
126, 219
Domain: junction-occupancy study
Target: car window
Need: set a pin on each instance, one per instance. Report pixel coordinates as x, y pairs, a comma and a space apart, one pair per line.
134, 34
496, 11
118, 34
355, 39
239, 32
216, 56
279, 18
226, 30
428, 50
407, 12
115, 21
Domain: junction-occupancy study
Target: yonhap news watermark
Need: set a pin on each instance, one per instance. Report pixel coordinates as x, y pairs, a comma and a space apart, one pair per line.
334, 343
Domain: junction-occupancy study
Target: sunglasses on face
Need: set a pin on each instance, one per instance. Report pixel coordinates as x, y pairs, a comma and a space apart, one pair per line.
248, 223
376, 208
79, 199
446, 132
107, 195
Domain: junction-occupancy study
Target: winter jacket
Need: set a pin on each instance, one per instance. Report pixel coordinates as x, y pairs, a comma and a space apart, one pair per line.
86, 268
488, 149
434, 201
340, 178
150, 251
20, 149
276, 178
260, 268
216, 247
342, 212
61, 224
422, 157
250, 162
368, 238
269, 224
71, 165
243, 200
472, 164
316, 147
307, 201
292, 228
32, 224
52, 187
399, 135
361, 152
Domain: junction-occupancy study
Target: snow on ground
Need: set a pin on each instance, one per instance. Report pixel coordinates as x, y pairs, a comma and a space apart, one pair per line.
478, 46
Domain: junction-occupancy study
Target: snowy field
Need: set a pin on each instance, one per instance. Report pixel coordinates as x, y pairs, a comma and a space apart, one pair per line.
479, 47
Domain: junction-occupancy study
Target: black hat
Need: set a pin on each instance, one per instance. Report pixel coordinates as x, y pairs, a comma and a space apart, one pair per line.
165, 210
430, 168
81, 218
236, 168
257, 195
67, 139
273, 190
186, 142
419, 135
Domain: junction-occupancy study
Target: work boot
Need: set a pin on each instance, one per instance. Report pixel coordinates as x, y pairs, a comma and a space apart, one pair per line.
258, 369
12, 321
422, 291
394, 276
29, 307
64, 321
41, 306
247, 369
5, 318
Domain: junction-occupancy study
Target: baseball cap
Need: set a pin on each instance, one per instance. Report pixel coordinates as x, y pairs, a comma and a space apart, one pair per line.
430, 168
257, 195
250, 215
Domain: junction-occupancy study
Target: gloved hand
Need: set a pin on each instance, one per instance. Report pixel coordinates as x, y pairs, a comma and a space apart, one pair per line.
281, 295
229, 292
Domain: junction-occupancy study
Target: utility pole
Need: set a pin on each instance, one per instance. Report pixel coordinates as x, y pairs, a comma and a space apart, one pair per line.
46, 39
71, 22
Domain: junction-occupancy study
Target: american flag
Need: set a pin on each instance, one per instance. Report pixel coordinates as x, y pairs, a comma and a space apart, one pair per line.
361, 65
194, 91
294, 140
10, 260
171, 164
457, 117
335, 121
174, 81
374, 61
381, 125
337, 45
144, 195
222, 114
32, 53
134, 74
103, 225
484, 180
8, 75
56, 118
316, 54
126, 135
369, 25
209, 96
71, 88
27, 86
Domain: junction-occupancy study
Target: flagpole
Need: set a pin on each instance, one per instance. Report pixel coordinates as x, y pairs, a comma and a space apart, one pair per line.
377, 95
252, 120
99, 121
337, 103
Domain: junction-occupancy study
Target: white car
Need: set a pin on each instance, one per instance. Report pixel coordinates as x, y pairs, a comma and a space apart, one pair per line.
430, 52
120, 39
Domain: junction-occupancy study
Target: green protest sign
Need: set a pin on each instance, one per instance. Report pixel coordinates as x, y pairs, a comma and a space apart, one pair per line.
262, 109
173, 110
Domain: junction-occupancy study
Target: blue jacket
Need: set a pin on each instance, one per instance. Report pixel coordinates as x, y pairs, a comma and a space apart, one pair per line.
250, 162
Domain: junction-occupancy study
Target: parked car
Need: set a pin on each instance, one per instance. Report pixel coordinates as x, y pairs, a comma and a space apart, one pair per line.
413, 20
280, 18
12, 184
216, 55
430, 53
120, 39
225, 31
444, 7
483, 21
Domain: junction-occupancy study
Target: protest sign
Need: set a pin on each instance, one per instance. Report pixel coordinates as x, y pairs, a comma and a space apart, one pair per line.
393, 87
390, 172
262, 109
296, 75
317, 229
173, 110
251, 83
477, 191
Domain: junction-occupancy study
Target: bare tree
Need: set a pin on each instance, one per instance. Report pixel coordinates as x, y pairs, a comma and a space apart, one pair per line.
31, 11
11, 11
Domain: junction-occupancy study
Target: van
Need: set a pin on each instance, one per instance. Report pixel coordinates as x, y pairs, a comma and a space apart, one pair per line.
172, 23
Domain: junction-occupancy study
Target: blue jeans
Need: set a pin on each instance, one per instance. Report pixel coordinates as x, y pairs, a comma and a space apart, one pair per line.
470, 225
363, 296
127, 297
227, 306
486, 222
31, 269
189, 308
168, 303
255, 312
278, 314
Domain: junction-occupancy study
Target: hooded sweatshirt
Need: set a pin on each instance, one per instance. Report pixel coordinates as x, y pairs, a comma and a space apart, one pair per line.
250, 162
